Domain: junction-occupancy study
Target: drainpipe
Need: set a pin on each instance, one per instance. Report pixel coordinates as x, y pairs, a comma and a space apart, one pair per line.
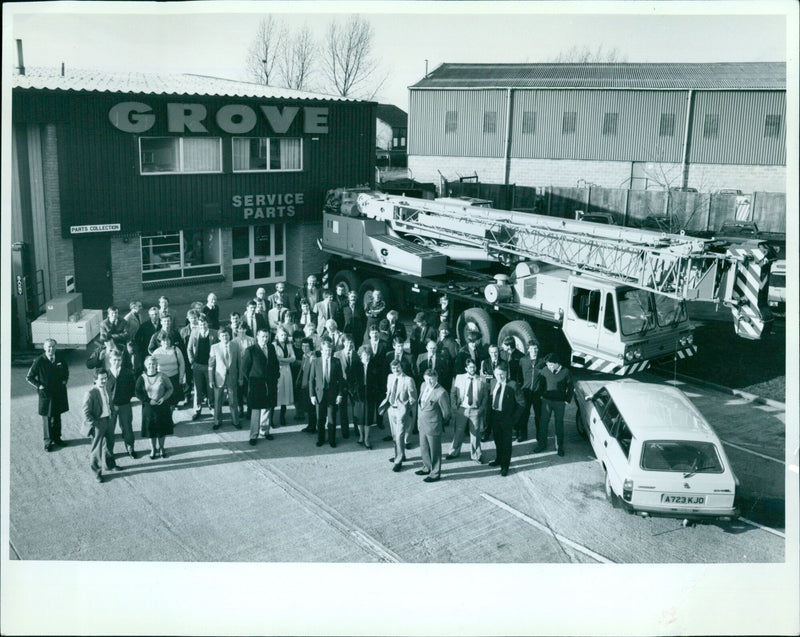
687, 140
509, 113
21, 66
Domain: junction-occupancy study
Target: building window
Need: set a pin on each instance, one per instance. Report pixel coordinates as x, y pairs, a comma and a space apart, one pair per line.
490, 121
402, 142
263, 154
710, 126
181, 255
163, 155
610, 124
667, 126
395, 142
529, 122
451, 122
772, 126
569, 122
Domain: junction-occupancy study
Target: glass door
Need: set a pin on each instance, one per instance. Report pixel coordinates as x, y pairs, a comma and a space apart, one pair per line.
258, 254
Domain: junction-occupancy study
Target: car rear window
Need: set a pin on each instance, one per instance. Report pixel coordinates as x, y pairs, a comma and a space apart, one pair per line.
688, 456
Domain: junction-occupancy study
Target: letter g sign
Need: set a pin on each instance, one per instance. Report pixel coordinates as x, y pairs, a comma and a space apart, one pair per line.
132, 117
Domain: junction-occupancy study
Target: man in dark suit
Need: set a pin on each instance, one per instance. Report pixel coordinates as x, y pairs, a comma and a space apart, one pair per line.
530, 367
260, 369
506, 403
512, 356
96, 415
396, 328
421, 334
325, 387
354, 320
433, 412
114, 327
447, 343
311, 292
146, 331
398, 353
352, 372
49, 375
121, 386
254, 320
473, 350
376, 346
439, 361
302, 397
339, 302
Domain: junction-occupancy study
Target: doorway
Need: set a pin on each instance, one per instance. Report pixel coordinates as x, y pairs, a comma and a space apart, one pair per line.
93, 271
259, 254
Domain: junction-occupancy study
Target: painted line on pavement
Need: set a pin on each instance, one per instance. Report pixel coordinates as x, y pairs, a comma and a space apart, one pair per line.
529, 520
762, 527
755, 453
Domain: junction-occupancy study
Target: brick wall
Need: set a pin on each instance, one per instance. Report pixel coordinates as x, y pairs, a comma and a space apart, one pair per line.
126, 267
607, 174
303, 256
59, 250
748, 179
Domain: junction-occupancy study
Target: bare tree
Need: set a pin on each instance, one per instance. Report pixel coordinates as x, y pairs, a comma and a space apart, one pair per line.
585, 54
265, 50
350, 67
297, 60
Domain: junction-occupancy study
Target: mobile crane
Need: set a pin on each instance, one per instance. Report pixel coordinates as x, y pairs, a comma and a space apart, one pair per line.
615, 295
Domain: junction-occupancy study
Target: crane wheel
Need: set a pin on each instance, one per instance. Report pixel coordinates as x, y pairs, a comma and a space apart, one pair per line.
366, 288
476, 319
522, 333
351, 280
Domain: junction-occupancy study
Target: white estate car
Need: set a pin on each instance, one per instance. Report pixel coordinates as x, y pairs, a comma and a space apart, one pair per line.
659, 454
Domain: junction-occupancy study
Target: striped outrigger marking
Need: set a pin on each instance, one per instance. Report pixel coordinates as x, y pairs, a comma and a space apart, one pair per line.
325, 273
686, 353
751, 278
596, 364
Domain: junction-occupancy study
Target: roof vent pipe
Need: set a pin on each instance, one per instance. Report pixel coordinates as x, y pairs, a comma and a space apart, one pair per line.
21, 67
426, 66
62, 69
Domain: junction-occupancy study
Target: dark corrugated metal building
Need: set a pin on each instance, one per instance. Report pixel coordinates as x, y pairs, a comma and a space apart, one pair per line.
609, 124
134, 182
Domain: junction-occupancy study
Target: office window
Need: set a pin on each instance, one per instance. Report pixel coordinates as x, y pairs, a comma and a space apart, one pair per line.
772, 126
710, 126
267, 154
529, 122
569, 122
490, 121
667, 126
610, 124
161, 155
451, 122
180, 254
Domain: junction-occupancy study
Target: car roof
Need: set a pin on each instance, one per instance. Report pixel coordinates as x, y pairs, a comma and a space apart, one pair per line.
652, 410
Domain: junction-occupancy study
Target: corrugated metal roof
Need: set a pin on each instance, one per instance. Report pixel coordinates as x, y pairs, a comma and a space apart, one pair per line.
394, 116
100, 81
724, 75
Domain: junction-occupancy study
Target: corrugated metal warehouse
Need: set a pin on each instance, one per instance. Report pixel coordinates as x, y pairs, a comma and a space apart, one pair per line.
142, 184
637, 126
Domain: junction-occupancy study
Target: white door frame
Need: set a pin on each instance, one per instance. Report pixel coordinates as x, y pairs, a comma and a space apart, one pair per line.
252, 260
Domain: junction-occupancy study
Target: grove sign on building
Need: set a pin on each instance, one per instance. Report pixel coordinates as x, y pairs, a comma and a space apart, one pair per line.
236, 119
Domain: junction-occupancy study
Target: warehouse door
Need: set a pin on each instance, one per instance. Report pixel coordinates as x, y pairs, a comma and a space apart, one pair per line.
259, 254
93, 271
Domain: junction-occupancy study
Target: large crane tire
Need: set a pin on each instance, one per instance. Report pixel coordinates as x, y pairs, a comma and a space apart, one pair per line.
478, 319
521, 331
350, 279
365, 292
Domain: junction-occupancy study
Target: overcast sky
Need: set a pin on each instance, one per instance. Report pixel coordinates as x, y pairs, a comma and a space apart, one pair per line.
175, 37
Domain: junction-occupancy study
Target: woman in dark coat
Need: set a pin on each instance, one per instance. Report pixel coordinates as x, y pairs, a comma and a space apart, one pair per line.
154, 389
367, 392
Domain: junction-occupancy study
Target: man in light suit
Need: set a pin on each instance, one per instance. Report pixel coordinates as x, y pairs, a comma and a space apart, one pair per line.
325, 387
468, 399
97, 424
223, 374
324, 311
401, 398
507, 403
433, 413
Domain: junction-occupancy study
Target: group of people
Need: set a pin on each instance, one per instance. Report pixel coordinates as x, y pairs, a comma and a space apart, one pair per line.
338, 363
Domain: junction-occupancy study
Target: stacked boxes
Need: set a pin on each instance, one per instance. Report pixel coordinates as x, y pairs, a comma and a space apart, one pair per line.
78, 333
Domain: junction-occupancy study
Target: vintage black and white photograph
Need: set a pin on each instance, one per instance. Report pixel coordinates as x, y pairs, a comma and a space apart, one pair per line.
400, 318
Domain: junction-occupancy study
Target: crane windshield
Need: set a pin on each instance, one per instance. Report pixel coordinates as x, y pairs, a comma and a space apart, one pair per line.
640, 310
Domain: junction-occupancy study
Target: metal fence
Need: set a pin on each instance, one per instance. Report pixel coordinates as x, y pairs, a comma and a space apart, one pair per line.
695, 211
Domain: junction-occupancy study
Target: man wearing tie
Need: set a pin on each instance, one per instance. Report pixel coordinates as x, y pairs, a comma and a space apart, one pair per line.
324, 311
507, 404
223, 375
260, 368
325, 388
253, 320
49, 375
352, 373
468, 398
433, 359
434, 412
96, 414
401, 397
